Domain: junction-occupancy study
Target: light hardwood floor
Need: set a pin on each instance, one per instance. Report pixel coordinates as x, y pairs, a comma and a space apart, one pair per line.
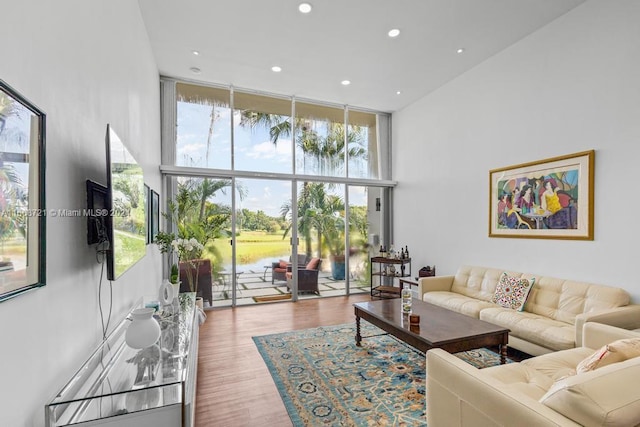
235, 387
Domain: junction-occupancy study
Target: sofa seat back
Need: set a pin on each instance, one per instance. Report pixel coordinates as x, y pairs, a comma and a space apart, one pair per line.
476, 282
556, 299
565, 299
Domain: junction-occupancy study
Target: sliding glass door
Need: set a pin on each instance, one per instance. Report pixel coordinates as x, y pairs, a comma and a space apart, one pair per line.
263, 228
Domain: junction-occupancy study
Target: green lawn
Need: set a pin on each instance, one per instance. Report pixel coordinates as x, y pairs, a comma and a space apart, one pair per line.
253, 246
128, 249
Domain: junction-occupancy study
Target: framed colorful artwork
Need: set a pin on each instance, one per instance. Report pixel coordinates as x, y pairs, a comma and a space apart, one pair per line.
545, 199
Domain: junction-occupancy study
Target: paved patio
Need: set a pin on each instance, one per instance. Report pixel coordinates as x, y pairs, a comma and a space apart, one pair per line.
257, 283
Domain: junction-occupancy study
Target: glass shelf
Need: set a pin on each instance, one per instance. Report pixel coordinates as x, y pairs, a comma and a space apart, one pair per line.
118, 380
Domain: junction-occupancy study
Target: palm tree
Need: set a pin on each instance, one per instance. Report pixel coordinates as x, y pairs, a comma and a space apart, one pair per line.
7, 109
13, 194
278, 125
310, 205
322, 141
193, 213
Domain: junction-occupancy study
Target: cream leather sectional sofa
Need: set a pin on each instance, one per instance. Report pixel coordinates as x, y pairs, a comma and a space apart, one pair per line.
533, 392
554, 312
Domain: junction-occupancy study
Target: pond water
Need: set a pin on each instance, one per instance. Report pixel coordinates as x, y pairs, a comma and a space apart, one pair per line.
257, 266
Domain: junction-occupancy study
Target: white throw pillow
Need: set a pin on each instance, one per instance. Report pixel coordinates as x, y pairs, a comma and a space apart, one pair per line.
614, 352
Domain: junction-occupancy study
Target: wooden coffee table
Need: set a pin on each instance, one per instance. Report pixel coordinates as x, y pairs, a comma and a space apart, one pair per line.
438, 328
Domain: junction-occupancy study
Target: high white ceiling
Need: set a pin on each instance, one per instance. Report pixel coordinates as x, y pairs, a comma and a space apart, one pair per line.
239, 42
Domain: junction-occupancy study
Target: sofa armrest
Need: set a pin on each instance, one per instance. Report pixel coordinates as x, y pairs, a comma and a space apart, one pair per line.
627, 317
434, 283
458, 394
595, 335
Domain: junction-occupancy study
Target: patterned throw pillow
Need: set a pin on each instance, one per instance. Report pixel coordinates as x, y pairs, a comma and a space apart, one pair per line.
512, 292
617, 351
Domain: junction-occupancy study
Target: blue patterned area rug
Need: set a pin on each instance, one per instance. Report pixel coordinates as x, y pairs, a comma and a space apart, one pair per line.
324, 379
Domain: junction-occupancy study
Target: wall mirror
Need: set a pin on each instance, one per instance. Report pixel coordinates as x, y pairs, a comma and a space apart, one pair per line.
22, 195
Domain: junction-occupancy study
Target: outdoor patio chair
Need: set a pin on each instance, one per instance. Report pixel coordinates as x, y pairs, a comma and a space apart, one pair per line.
204, 286
279, 268
307, 277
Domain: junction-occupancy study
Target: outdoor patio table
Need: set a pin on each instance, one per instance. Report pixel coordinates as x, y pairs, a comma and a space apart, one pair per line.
225, 276
266, 268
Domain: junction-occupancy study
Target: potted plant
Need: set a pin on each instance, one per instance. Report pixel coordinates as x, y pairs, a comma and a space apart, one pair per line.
175, 274
189, 252
163, 240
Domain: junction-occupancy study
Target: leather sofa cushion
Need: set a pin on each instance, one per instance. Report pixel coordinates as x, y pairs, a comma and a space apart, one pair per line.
477, 282
564, 299
602, 397
558, 365
523, 378
456, 302
549, 333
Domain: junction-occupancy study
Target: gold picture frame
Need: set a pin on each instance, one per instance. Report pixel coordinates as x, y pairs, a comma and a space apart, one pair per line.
545, 199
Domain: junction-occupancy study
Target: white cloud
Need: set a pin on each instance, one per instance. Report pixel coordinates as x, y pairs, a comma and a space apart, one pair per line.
192, 148
267, 150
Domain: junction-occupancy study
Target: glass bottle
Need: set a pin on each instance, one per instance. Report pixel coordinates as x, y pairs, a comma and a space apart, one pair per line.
406, 297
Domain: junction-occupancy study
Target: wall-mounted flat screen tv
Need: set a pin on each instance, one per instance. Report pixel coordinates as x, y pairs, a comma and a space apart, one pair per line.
126, 225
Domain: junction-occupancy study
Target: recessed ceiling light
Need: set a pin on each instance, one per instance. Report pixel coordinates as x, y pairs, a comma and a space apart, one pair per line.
394, 33
460, 50
276, 69
195, 70
346, 82
304, 7
398, 93
195, 52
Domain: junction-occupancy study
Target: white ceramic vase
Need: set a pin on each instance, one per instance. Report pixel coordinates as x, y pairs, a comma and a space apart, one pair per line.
144, 330
166, 293
176, 288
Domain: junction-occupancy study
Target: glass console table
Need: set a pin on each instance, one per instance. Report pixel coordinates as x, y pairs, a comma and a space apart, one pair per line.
121, 386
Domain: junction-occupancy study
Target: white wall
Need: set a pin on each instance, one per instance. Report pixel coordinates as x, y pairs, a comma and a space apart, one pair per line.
86, 64
572, 86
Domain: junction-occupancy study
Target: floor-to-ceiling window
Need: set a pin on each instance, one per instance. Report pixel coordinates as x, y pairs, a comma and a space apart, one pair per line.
293, 176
